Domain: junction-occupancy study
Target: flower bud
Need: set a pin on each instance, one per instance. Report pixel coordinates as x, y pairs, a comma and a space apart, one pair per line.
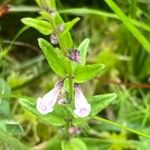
82, 107
61, 101
74, 55
61, 28
72, 130
54, 38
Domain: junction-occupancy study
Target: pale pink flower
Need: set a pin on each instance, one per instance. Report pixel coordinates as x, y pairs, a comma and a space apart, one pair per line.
82, 107
46, 103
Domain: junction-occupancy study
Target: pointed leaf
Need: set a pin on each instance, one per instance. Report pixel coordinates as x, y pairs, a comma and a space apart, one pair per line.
70, 24
4, 108
65, 37
73, 144
52, 57
100, 102
5, 90
83, 48
87, 72
54, 118
11, 141
42, 26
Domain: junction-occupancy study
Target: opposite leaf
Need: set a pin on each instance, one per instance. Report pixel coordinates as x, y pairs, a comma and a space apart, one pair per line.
73, 144
55, 118
65, 40
52, 57
42, 26
87, 72
70, 24
100, 102
83, 48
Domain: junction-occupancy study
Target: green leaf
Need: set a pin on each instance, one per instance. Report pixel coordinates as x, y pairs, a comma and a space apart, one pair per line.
97, 143
100, 102
42, 26
5, 89
54, 143
13, 128
11, 141
87, 11
73, 144
52, 57
87, 72
65, 40
137, 34
4, 108
55, 118
83, 48
70, 24
39, 2
124, 127
51, 4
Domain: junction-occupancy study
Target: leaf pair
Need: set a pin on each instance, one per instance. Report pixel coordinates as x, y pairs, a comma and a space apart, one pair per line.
57, 117
60, 63
50, 25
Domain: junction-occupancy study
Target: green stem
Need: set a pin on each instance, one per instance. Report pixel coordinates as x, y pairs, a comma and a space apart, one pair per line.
121, 126
71, 84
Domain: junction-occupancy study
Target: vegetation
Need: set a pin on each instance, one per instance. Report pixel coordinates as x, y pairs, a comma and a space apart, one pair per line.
74, 75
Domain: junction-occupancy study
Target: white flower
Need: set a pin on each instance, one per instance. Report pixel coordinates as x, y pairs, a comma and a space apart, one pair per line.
46, 103
82, 107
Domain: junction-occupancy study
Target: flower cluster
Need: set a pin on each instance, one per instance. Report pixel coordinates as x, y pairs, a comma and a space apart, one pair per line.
46, 103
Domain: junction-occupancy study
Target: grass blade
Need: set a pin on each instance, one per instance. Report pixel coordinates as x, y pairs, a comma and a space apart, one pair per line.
137, 34
121, 126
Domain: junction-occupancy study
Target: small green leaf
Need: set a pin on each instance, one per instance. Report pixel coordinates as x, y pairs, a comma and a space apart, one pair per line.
5, 89
54, 143
87, 72
51, 4
70, 24
96, 143
100, 102
83, 48
52, 57
39, 2
4, 108
42, 26
73, 144
13, 128
65, 40
11, 141
54, 118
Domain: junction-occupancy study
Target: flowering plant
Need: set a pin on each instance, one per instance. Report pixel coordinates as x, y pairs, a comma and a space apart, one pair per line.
65, 105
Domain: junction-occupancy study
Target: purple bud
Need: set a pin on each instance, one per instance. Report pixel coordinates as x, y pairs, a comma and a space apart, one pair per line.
54, 38
74, 55
78, 131
61, 28
72, 130
52, 12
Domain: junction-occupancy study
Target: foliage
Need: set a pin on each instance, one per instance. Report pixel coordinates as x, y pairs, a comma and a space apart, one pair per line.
105, 50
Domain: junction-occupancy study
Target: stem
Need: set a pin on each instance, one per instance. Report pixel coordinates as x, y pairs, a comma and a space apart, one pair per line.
71, 84
121, 126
